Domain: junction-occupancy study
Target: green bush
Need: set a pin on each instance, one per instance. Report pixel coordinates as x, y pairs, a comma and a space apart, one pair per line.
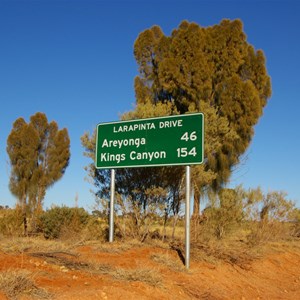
57, 220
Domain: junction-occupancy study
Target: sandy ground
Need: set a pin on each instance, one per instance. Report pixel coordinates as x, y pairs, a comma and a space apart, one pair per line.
89, 272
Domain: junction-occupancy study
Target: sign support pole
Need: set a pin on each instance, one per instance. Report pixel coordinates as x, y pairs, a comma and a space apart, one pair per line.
187, 216
111, 206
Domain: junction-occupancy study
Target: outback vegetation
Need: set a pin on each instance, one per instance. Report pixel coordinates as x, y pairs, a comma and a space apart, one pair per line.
212, 70
39, 155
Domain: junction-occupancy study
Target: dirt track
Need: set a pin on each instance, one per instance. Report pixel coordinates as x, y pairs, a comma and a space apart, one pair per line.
91, 273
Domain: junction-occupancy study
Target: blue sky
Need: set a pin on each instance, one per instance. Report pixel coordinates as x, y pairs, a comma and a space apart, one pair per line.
73, 60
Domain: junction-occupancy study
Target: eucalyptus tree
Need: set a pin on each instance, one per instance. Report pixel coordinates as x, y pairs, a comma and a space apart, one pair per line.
39, 154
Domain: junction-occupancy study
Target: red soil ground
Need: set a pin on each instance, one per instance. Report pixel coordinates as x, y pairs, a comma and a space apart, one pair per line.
68, 276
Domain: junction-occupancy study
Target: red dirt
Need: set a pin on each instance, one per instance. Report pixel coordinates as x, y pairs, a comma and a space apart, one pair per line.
276, 276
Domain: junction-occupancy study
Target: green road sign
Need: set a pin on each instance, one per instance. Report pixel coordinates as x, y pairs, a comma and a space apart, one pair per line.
165, 141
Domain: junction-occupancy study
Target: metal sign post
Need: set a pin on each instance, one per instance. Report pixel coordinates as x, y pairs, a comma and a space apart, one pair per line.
111, 206
163, 141
187, 216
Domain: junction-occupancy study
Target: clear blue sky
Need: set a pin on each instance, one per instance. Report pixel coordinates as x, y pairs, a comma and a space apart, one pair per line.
73, 60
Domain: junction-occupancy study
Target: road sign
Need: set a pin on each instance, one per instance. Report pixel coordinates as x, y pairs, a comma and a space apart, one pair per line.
163, 141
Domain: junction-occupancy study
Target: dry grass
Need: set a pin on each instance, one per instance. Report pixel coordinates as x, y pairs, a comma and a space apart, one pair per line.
232, 252
169, 261
146, 275
179, 231
34, 244
17, 283
141, 274
117, 246
104, 269
70, 261
263, 233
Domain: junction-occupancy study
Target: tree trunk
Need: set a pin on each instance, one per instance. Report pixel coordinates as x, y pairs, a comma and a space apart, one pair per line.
175, 218
35, 219
24, 215
165, 224
196, 210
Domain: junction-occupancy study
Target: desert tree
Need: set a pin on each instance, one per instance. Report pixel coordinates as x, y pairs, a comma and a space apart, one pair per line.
39, 154
213, 70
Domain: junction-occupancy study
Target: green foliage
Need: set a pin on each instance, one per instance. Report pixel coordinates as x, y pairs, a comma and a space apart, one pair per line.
54, 220
213, 70
39, 155
225, 213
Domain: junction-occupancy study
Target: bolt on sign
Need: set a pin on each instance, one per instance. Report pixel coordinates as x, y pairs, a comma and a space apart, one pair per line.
163, 141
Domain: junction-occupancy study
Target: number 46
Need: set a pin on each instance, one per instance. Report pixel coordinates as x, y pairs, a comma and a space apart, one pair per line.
187, 137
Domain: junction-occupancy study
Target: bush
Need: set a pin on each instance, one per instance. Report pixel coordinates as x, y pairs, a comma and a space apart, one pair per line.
11, 221
223, 216
295, 221
58, 220
16, 284
96, 228
263, 232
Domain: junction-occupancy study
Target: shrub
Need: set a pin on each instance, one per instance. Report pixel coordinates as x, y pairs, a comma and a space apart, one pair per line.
224, 214
295, 223
16, 284
58, 219
96, 228
11, 221
263, 232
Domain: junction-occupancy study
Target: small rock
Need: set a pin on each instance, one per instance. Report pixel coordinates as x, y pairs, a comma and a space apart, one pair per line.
64, 269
